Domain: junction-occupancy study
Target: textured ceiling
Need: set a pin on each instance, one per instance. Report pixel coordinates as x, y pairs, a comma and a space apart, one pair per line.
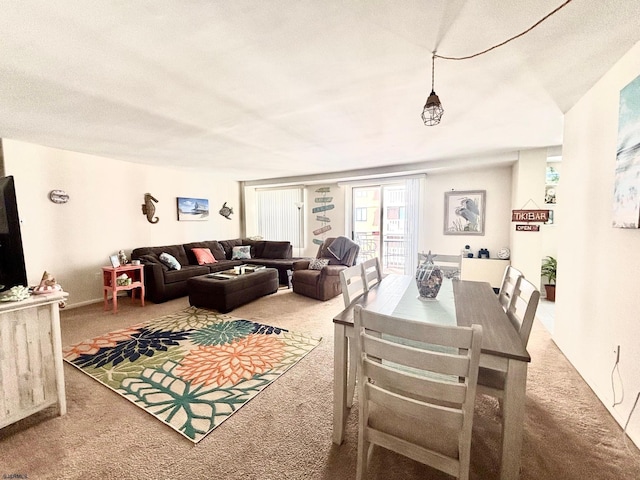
275, 88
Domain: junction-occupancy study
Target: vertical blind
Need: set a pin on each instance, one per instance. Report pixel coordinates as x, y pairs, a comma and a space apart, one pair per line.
278, 215
412, 224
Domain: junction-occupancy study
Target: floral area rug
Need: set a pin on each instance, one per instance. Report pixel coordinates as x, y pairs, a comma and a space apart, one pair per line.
192, 369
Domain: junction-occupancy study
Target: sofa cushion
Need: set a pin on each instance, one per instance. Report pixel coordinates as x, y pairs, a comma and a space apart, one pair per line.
175, 276
203, 255
228, 245
177, 251
237, 242
258, 249
170, 261
150, 258
242, 252
213, 245
275, 250
318, 263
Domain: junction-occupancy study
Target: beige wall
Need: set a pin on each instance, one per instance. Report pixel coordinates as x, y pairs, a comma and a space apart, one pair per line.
337, 216
73, 240
528, 194
497, 183
598, 266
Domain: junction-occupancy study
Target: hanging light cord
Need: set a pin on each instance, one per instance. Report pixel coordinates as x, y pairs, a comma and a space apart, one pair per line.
506, 41
433, 63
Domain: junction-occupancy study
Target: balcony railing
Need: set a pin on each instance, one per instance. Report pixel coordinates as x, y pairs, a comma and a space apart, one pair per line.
393, 250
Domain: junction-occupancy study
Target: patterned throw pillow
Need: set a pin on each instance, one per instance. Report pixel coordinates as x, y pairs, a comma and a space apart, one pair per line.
203, 255
242, 252
318, 263
170, 261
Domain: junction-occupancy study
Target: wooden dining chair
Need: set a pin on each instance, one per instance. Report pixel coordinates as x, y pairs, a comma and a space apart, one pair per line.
521, 312
352, 283
508, 288
416, 390
371, 272
449, 264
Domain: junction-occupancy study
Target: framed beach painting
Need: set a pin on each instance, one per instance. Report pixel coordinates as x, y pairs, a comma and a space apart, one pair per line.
626, 193
464, 212
193, 209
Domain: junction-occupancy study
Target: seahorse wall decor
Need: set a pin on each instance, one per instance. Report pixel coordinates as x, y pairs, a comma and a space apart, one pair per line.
149, 209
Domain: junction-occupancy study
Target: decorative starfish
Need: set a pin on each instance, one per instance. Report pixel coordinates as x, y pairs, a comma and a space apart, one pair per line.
429, 257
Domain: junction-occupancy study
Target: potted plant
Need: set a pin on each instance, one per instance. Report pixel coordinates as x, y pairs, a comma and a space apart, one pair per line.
549, 267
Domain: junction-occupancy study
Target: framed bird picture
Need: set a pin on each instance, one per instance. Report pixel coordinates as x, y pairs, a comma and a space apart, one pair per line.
464, 212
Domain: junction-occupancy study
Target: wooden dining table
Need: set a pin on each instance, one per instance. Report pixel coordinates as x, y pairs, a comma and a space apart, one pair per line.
459, 302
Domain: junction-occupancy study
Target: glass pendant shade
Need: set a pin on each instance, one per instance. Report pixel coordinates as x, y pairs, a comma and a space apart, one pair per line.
432, 112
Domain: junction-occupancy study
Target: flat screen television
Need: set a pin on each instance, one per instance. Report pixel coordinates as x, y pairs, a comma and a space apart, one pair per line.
12, 266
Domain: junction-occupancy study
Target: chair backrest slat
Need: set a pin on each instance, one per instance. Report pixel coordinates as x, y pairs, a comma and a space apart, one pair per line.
523, 309
440, 359
352, 284
509, 287
434, 387
449, 264
371, 272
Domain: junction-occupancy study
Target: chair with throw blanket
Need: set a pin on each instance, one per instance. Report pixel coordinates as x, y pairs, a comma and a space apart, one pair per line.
319, 278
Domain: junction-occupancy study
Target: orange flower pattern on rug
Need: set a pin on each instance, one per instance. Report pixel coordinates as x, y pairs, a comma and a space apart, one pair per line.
93, 345
229, 364
191, 369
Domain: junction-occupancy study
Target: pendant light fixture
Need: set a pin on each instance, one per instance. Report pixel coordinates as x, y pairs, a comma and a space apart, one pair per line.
432, 112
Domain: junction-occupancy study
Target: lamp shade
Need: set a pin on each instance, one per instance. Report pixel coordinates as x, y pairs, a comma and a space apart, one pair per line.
432, 112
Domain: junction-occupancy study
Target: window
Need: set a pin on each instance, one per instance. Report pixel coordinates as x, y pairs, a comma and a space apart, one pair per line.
278, 215
361, 214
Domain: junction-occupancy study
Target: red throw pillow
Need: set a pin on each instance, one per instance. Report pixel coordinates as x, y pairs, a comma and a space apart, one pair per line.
203, 255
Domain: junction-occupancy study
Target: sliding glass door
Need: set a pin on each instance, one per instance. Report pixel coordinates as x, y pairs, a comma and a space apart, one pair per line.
379, 224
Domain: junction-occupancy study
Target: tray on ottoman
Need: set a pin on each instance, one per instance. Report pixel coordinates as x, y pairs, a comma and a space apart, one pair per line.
225, 291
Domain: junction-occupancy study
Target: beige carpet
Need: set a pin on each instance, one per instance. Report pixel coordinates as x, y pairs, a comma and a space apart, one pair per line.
285, 432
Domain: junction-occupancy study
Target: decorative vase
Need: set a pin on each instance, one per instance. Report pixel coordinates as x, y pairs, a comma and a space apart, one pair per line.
428, 278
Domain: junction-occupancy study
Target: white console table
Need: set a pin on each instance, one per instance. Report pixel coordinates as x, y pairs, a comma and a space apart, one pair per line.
484, 270
31, 374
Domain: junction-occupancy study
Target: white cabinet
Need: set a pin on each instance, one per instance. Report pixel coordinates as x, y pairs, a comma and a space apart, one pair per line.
31, 375
484, 270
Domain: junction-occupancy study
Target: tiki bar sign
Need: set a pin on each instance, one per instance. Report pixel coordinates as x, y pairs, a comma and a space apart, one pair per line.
529, 216
539, 216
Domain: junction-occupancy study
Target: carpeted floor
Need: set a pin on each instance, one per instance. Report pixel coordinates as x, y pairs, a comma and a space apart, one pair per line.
285, 432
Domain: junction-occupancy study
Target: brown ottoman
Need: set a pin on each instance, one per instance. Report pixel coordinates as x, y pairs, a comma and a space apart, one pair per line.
227, 294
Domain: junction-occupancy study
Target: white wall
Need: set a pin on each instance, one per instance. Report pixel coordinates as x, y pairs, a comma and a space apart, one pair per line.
497, 183
104, 214
528, 194
598, 266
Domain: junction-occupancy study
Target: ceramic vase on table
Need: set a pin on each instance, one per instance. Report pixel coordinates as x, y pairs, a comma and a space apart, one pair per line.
428, 278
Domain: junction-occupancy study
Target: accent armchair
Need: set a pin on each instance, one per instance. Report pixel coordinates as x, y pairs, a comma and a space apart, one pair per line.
323, 284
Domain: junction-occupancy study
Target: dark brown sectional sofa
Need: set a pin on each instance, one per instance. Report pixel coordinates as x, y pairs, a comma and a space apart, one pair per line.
162, 283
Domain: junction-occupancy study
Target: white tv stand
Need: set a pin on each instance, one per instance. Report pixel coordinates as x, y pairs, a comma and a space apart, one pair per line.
31, 375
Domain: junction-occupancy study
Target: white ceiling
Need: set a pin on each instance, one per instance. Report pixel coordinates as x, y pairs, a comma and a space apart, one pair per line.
275, 88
